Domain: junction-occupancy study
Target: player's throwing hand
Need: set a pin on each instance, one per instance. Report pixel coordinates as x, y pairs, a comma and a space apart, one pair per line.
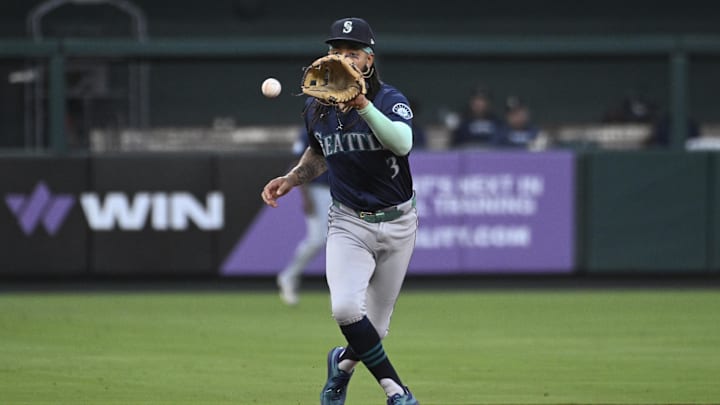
275, 189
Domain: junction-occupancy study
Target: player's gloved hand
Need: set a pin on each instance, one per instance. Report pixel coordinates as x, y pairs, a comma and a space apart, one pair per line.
333, 79
277, 188
358, 102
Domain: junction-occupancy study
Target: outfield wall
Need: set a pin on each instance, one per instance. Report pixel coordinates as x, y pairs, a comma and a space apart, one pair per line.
650, 212
480, 212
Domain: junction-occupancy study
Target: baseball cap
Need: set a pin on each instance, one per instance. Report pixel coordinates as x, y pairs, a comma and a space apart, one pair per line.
513, 103
352, 29
482, 92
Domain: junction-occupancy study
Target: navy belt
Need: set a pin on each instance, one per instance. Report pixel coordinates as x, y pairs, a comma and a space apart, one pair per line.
383, 215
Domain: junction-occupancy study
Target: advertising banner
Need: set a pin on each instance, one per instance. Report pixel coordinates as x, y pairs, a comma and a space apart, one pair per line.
153, 214
41, 227
494, 212
480, 212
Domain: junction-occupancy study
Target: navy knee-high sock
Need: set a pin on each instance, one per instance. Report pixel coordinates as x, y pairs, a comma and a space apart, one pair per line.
349, 354
366, 343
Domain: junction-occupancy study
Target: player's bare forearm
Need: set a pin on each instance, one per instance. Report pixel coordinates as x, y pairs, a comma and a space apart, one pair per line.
311, 165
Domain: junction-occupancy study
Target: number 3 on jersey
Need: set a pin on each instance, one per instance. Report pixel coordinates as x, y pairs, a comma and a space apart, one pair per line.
392, 162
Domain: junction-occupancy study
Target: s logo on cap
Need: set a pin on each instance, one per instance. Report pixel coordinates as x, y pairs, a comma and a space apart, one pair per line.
347, 27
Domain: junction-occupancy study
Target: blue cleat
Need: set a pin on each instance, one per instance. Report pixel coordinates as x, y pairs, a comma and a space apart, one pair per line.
335, 388
405, 399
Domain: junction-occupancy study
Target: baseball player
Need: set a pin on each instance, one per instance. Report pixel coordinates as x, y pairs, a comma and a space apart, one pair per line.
316, 201
364, 145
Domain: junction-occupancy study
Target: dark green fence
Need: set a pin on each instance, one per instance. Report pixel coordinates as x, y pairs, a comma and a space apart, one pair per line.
648, 211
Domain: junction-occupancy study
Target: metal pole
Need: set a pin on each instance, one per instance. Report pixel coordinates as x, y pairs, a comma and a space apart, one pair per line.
56, 99
39, 98
678, 99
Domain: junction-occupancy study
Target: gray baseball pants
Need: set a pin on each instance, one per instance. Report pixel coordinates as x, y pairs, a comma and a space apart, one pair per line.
366, 264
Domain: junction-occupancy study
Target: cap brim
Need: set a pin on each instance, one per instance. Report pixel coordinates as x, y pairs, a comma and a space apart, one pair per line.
346, 39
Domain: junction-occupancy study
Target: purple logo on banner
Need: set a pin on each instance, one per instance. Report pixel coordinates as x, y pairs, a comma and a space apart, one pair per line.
480, 212
40, 206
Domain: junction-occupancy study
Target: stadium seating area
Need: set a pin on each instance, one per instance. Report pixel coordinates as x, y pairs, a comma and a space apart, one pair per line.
176, 139
548, 55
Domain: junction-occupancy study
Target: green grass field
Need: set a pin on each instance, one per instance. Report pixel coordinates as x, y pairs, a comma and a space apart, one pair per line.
510, 346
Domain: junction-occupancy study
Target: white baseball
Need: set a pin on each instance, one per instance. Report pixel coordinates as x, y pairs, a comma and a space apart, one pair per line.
271, 87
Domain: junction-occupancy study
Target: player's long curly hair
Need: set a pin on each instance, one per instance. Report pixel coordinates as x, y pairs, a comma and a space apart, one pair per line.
321, 111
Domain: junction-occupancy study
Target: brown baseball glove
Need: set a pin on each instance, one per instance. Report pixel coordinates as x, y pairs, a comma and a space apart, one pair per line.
333, 79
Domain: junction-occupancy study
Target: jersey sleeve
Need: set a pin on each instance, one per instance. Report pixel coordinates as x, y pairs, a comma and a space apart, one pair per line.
396, 107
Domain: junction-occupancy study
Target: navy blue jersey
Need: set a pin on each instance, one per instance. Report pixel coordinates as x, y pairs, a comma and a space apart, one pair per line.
299, 148
363, 174
476, 131
512, 137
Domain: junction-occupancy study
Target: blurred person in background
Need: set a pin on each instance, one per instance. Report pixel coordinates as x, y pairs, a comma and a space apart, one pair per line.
518, 130
661, 135
633, 108
479, 126
316, 200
